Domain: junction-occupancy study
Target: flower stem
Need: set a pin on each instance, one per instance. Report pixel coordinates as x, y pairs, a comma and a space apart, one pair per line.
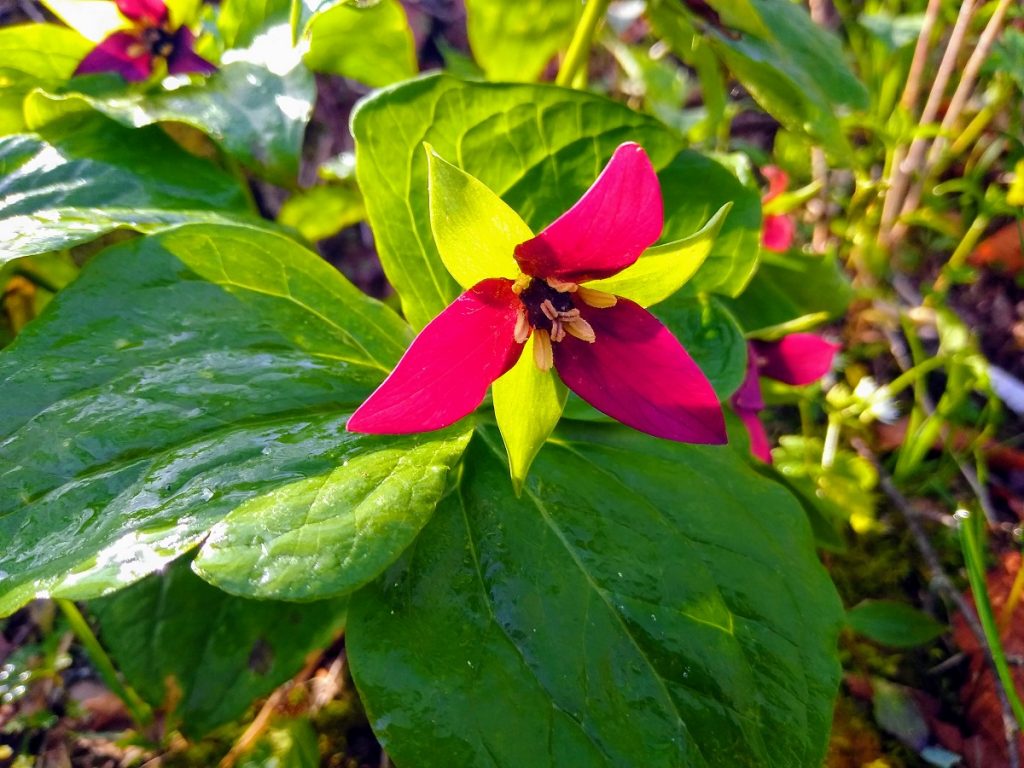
137, 708
575, 61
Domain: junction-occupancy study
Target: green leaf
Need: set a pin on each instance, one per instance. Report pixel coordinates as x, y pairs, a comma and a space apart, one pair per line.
474, 230
333, 533
371, 43
180, 376
790, 287
893, 623
241, 22
645, 603
694, 188
516, 43
258, 115
320, 212
538, 147
291, 745
528, 403
177, 639
85, 175
664, 269
40, 52
792, 67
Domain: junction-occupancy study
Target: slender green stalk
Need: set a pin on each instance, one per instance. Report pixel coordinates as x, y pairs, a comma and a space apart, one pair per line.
137, 708
576, 57
970, 540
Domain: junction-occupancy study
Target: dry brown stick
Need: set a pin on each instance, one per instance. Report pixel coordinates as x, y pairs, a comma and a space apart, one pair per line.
941, 583
959, 100
890, 228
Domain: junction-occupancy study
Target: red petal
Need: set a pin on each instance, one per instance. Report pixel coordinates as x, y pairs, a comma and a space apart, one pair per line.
184, 60
748, 396
112, 55
798, 359
759, 445
445, 373
778, 232
778, 180
153, 11
608, 228
638, 373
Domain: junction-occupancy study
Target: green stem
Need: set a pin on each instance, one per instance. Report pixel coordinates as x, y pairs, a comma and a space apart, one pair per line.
579, 49
137, 708
971, 542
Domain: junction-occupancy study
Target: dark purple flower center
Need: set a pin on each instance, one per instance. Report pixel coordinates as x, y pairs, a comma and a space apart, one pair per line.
534, 297
159, 41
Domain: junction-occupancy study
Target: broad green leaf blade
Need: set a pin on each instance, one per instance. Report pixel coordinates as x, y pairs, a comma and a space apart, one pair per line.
694, 188
371, 43
789, 287
514, 43
333, 533
664, 269
176, 638
791, 66
40, 52
538, 147
320, 212
644, 604
178, 377
85, 175
474, 230
257, 115
893, 623
93, 19
242, 22
528, 403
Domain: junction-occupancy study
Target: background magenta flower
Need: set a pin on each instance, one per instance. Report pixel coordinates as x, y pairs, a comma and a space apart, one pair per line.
797, 359
132, 51
609, 350
778, 229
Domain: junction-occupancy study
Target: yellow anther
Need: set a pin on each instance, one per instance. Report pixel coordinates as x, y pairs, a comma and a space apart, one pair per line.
522, 331
595, 298
542, 354
521, 284
581, 329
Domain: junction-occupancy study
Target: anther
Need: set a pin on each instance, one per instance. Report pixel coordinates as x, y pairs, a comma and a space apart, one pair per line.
581, 329
549, 310
542, 354
595, 298
557, 330
561, 285
522, 331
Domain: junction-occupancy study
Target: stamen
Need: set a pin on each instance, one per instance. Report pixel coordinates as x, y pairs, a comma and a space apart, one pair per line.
549, 310
595, 298
569, 314
522, 331
521, 284
542, 354
561, 285
557, 330
581, 329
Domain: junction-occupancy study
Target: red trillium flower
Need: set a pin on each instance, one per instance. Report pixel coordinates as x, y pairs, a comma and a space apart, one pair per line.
779, 229
551, 298
150, 35
797, 359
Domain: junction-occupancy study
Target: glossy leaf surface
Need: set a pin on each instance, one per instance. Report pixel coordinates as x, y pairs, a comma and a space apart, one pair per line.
538, 147
176, 638
256, 114
371, 43
84, 175
178, 377
630, 608
516, 44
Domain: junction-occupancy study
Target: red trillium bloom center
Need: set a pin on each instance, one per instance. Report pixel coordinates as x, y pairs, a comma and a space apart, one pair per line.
159, 41
549, 311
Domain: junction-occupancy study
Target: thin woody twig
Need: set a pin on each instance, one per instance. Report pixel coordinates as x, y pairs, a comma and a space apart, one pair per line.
912, 164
